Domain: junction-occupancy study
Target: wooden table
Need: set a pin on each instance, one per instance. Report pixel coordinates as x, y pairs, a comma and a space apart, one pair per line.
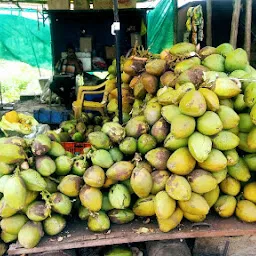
76, 234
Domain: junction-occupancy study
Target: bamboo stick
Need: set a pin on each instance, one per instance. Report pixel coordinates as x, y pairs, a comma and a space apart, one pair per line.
209, 22
248, 28
235, 23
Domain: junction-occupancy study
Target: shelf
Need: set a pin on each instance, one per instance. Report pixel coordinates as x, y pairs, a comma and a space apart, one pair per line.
98, 10
95, 70
76, 234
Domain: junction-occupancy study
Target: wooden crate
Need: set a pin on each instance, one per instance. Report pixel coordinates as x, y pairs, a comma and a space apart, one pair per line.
102, 4
81, 5
58, 4
124, 4
108, 4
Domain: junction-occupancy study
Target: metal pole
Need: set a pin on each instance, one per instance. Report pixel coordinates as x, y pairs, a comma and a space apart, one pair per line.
116, 31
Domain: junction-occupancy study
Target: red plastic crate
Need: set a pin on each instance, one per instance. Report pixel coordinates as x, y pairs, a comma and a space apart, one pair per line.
75, 148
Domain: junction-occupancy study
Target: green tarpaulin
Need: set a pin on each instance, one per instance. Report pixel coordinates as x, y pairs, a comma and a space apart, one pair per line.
160, 26
23, 40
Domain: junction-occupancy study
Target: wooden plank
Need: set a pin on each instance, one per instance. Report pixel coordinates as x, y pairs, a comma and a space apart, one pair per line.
235, 23
25, 1
248, 28
76, 235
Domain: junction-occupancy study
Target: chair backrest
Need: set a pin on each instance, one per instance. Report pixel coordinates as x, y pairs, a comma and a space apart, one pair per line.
88, 93
97, 97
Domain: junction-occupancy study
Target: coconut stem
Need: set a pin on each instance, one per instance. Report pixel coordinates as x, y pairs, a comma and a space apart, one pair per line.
45, 194
55, 180
82, 156
46, 197
17, 171
137, 158
89, 154
139, 58
93, 214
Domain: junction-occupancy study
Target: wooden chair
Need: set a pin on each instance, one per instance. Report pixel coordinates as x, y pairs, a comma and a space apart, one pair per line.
81, 104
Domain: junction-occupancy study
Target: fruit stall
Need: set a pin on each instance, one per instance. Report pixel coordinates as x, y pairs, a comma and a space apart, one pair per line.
187, 151
181, 165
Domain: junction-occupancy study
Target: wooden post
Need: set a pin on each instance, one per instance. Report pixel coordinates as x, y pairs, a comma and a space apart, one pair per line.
235, 22
116, 32
175, 23
209, 23
248, 28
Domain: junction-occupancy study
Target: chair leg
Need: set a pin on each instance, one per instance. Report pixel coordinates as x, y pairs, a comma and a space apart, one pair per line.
102, 112
77, 113
50, 103
77, 110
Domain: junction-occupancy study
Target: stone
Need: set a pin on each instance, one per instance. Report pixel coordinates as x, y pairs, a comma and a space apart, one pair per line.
236, 246
168, 248
97, 251
56, 253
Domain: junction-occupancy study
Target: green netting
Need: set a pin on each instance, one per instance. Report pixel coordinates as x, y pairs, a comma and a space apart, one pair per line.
23, 40
160, 26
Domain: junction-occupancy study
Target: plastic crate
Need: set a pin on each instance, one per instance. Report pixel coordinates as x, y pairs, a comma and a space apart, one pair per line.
75, 148
45, 116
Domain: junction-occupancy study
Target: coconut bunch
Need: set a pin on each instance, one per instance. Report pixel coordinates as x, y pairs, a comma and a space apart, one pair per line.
205, 131
77, 130
188, 147
129, 68
38, 183
112, 68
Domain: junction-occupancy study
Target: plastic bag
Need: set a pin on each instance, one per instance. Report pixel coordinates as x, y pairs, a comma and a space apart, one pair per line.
98, 63
38, 129
46, 96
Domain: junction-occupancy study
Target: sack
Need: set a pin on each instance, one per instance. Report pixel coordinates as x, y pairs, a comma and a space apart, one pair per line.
38, 129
